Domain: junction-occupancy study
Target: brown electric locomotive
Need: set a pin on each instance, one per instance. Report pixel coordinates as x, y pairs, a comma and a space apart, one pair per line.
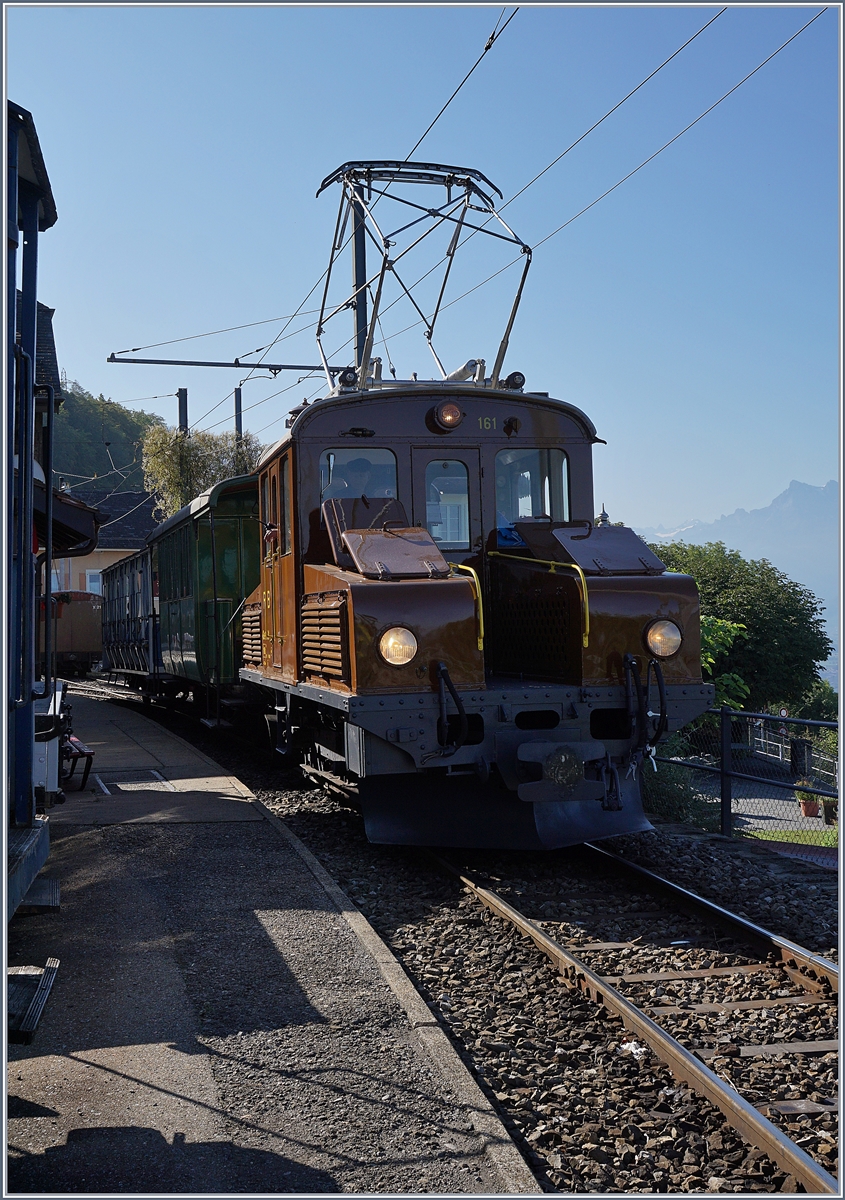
441, 628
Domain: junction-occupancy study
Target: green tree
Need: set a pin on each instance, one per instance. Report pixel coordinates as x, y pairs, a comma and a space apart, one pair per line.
179, 466
821, 703
717, 638
84, 424
785, 637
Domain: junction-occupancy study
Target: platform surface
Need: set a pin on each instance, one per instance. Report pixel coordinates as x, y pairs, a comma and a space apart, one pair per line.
216, 1026
126, 742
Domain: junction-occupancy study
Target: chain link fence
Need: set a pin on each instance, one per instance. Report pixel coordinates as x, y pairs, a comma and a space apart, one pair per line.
753, 775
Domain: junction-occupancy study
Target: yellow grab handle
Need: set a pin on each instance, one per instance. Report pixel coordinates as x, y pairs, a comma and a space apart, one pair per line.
471, 571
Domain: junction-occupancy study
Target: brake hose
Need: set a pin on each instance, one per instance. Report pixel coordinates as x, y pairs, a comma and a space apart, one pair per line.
448, 748
632, 676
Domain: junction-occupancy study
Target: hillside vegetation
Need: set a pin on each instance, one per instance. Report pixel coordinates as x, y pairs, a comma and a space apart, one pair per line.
84, 424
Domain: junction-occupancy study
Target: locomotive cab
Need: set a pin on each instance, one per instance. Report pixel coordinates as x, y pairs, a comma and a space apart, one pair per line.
443, 630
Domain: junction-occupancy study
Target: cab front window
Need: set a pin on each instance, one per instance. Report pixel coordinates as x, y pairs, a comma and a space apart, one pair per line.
349, 474
530, 484
447, 503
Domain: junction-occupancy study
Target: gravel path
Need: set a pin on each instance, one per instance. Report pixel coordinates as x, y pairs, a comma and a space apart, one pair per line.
217, 1026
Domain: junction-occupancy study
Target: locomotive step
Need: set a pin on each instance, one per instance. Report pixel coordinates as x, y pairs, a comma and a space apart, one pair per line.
28, 992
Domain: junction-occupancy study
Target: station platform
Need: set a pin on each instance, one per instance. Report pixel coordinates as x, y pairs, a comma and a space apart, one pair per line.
223, 1019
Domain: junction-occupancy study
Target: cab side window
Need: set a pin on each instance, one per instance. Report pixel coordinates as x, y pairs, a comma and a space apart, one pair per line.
284, 515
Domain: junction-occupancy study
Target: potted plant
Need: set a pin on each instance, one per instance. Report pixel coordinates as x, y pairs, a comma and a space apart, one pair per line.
809, 803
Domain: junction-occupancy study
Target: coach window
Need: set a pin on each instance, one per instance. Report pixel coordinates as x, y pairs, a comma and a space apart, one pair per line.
447, 503
530, 484
186, 559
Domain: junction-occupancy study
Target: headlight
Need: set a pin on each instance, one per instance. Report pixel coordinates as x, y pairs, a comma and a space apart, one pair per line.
663, 638
397, 646
448, 415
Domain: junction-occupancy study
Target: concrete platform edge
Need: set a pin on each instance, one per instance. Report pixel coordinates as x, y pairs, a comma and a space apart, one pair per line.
240, 788
500, 1147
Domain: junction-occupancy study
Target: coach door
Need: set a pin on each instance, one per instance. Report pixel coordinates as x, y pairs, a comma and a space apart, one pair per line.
447, 498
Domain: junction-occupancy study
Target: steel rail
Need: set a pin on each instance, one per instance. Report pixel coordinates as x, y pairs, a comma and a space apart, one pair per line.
756, 1128
790, 952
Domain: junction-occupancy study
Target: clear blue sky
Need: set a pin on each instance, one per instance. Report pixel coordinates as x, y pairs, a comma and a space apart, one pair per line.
693, 313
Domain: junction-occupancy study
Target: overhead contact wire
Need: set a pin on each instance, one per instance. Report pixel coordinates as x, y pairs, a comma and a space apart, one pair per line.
610, 111
619, 183
686, 129
494, 36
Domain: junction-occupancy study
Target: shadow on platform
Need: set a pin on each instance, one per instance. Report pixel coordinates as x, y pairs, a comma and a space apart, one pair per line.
136, 1159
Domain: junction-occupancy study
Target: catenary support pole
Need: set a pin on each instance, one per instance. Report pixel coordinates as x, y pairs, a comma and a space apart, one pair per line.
185, 494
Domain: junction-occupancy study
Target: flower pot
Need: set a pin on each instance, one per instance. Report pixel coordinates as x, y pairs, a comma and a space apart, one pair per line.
809, 806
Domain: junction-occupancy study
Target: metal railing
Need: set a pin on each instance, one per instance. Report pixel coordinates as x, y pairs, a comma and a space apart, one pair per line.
776, 745
755, 775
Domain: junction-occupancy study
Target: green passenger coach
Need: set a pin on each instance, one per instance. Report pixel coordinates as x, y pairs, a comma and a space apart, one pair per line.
191, 580
205, 559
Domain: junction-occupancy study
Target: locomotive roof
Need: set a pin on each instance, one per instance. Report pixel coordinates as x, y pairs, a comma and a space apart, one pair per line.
417, 389
208, 499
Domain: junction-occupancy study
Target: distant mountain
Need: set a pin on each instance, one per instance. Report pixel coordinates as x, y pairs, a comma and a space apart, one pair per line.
798, 533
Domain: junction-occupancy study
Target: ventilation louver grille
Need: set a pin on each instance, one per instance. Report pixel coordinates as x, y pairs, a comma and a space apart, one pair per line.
252, 635
534, 622
324, 637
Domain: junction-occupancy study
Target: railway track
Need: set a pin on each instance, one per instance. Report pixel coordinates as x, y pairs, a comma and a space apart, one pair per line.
592, 1104
809, 979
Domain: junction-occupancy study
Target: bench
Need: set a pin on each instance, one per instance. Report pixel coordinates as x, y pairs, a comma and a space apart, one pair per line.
72, 751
